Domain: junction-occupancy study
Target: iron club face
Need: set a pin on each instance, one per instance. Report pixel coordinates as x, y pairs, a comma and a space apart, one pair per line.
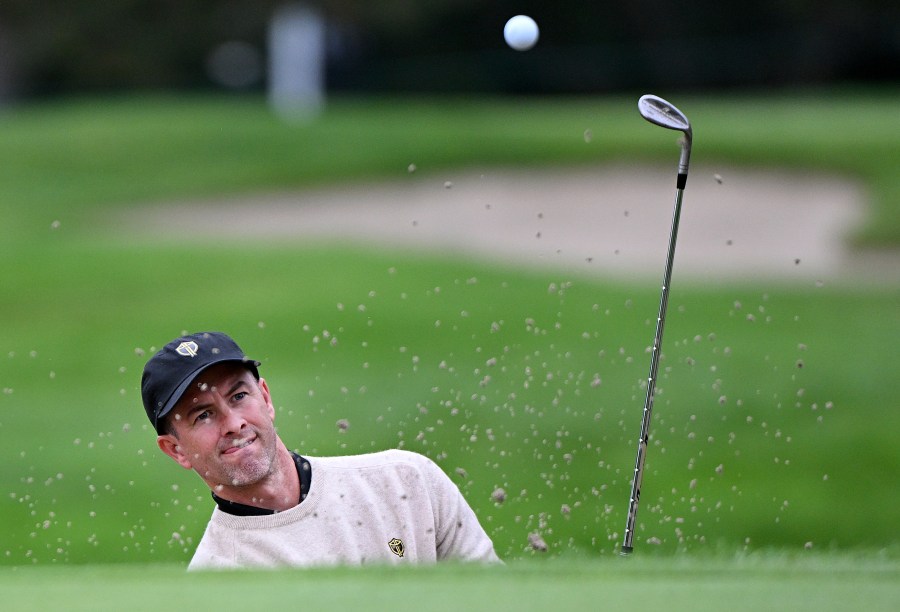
664, 114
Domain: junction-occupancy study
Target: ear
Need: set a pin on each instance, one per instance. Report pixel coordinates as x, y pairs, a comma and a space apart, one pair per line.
169, 445
264, 389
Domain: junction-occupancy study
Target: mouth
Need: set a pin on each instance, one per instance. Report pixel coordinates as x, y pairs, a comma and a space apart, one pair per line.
238, 444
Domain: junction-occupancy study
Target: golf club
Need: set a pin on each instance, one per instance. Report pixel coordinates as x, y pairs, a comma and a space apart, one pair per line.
659, 112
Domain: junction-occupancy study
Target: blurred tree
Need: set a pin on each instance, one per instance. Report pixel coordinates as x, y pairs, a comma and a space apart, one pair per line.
81, 46
59, 46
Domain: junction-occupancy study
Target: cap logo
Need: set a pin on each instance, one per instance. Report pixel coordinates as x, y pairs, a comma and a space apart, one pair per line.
187, 349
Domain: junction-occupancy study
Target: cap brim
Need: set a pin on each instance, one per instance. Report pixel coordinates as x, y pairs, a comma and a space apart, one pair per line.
183, 386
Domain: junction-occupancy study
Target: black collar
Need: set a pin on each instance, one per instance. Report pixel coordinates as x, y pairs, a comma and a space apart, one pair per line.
304, 473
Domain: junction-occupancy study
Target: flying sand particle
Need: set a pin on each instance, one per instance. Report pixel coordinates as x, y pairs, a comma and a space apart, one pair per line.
537, 542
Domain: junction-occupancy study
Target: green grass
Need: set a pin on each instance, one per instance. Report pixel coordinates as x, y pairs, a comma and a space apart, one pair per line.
774, 424
415, 342
801, 583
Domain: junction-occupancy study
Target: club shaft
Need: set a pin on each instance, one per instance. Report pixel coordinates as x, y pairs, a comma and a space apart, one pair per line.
627, 544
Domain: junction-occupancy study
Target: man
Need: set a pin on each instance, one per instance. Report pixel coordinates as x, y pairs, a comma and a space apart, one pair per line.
214, 414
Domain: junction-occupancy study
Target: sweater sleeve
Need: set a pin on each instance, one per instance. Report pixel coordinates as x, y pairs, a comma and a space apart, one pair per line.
459, 535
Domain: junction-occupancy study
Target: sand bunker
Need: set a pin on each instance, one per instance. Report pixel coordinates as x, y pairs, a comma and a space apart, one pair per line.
610, 220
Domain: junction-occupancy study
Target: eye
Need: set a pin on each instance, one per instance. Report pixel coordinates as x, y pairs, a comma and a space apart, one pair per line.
202, 416
239, 396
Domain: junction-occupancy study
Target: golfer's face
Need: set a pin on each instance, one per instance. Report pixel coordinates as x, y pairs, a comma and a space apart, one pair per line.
225, 429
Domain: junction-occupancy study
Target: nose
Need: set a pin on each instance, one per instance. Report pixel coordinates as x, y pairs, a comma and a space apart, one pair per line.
232, 420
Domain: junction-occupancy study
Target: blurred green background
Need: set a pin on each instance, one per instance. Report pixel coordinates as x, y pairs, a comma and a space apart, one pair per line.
776, 413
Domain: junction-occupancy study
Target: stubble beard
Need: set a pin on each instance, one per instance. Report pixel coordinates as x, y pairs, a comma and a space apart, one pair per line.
253, 469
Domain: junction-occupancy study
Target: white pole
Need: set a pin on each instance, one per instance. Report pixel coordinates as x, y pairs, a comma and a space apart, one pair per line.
297, 62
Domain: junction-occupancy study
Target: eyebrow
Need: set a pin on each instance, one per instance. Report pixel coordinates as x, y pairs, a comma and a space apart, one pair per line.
195, 408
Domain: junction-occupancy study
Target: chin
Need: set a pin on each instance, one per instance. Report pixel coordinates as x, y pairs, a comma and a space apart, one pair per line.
248, 473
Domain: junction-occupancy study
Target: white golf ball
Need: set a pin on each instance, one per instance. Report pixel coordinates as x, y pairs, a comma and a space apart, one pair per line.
521, 32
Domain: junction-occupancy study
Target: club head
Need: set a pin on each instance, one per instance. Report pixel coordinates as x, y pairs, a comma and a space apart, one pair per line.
656, 110
664, 114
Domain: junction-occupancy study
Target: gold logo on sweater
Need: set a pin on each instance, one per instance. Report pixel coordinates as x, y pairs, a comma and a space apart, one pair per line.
396, 546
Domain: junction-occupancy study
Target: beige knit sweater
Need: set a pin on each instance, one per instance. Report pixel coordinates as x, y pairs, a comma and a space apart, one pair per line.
390, 507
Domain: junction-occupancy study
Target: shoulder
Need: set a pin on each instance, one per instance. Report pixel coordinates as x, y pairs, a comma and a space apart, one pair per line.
390, 464
374, 460
368, 459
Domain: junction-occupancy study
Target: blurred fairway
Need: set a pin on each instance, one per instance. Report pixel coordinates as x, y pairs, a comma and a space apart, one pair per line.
61, 160
803, 583
776, 416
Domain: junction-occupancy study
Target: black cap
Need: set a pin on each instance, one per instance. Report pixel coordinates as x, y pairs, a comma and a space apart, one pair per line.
170, 372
